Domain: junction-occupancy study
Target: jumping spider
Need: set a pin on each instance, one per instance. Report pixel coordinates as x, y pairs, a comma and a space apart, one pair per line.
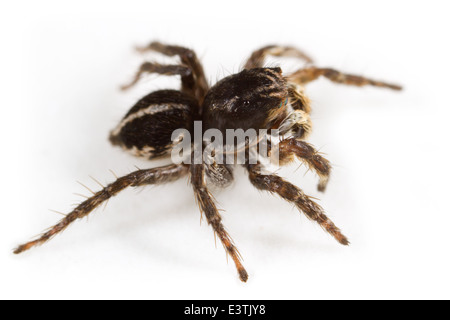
257, 97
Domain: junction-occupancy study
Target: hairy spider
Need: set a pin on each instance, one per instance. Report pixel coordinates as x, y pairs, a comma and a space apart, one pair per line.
255, 98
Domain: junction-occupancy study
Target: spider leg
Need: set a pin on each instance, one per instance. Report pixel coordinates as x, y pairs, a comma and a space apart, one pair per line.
208, 207
293, 194
257, 58
303, 76
298, 126
298, 122
187, 80
134, 179
189, 59
298, 98
305, 152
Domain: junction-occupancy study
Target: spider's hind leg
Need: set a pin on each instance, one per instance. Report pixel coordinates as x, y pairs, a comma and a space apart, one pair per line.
187, 80
289, 192
303, 76
257, 58
199, 87
135, 179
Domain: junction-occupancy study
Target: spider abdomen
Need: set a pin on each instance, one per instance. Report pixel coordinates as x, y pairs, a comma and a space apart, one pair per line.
146, 130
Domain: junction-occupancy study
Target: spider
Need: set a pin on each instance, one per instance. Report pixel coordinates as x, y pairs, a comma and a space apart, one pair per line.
257, 97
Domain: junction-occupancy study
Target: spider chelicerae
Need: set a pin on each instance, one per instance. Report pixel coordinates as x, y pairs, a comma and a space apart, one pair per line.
257, 98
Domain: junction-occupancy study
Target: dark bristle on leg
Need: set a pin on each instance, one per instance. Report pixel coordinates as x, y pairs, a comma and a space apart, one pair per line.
134, 179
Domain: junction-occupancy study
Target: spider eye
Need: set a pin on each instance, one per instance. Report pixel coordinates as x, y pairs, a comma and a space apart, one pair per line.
246, 103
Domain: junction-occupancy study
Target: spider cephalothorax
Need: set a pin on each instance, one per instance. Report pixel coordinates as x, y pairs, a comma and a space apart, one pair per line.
253, 98
257, 98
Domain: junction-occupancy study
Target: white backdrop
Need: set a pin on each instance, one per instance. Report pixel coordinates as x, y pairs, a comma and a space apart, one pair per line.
61, 68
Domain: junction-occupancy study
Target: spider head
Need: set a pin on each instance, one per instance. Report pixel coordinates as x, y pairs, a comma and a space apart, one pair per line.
253, 98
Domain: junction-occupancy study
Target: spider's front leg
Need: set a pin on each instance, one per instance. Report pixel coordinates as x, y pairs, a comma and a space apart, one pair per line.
134, 179
208, 207
293, 147
298, 126
293, 194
